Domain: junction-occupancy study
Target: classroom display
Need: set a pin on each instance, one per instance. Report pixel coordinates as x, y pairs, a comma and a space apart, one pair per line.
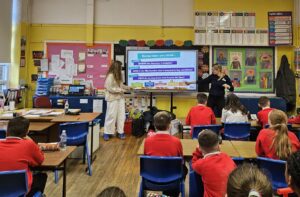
280, 28
77, 63
251, 69
162, 69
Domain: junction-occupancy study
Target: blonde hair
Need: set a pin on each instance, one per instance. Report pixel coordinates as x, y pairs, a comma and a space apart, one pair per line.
281, 142
115, 69
217, 67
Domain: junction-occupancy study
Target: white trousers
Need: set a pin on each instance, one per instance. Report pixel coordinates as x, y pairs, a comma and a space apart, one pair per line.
115, 115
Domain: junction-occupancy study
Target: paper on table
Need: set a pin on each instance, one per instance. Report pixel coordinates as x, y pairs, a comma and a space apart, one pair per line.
97, 105
7, 115
66, 53
44, 65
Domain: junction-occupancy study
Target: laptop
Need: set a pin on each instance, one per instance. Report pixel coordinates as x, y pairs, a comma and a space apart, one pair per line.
76, 90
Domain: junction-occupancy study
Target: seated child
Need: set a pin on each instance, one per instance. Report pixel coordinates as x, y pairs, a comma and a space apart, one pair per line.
276, 142
292, 172
20, 153
248, 180
213, 165
262, 115
294, 120
164, 144
200, 114
234, 111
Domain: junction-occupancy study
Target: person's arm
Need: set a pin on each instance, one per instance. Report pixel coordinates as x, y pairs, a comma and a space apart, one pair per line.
258, 146
207, 79
213, 118
109, 85
229, 83
197, 160
197, 154
295, 120
188, 118
37, 156
224, 114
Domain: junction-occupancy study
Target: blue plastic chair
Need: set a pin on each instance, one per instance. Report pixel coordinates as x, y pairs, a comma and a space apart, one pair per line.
77, 133
161, 174
275, 170
196, 187
2, 134
198, 128
289, 126
238, 160
14, 183
237, 131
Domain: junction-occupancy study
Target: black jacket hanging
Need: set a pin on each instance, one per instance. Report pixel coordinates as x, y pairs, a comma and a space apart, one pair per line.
285, 83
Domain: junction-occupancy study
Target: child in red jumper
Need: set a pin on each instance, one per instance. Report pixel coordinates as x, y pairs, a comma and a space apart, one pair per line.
200, 114
164, 144
262, 115
213, 166
276, 142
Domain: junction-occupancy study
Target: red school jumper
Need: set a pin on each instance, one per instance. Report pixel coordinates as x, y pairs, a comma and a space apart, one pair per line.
263, 116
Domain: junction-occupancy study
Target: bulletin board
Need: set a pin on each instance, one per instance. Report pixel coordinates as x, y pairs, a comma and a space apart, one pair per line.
69, 62
251, 69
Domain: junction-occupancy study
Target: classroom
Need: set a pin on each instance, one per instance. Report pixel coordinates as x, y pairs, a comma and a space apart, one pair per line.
149, 98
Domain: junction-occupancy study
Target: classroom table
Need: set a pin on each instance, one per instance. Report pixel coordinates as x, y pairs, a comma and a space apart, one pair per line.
57, 160
246, 149
189, 146
33, 126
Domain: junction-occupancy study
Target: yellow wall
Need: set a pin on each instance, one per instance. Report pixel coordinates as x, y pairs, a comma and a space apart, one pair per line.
39, 33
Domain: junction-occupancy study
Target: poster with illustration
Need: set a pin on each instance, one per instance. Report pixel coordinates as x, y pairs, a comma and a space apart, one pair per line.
250, 76
266, 80
266, 60
235, 77
235, 60
251, 57
222, 57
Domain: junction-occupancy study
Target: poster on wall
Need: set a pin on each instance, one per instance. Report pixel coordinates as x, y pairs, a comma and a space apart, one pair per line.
297, 59
280, 28
251, 69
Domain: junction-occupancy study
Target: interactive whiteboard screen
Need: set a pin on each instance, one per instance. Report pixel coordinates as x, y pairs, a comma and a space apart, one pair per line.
162, 69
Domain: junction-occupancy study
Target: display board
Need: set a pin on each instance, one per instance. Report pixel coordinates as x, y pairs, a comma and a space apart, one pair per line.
251, 69
162, 69
69, 62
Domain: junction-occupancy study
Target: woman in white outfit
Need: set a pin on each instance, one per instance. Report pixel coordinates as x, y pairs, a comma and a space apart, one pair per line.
114, 96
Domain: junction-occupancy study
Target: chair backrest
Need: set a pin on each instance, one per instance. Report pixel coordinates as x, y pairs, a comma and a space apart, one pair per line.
2, 133
161, 169
42, 102
13, 183
237, 131
238, 160
198, 128
275, 170
76, 132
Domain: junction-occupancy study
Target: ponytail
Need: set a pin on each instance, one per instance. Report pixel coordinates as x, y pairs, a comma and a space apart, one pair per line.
281, 142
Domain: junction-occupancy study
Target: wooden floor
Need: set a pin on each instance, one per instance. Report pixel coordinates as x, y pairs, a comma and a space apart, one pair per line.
117, 164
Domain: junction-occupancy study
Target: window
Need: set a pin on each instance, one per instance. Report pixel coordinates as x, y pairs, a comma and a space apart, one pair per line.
3, 76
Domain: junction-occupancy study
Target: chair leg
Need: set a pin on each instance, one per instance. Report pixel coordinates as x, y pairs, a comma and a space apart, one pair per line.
56, 176
83, 155
182, 189
88, 158
141, 193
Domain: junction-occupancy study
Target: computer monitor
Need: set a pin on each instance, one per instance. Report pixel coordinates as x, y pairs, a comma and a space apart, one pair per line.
76, 90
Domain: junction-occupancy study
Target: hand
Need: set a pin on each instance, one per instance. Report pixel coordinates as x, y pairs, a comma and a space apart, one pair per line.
226, 86
187, 83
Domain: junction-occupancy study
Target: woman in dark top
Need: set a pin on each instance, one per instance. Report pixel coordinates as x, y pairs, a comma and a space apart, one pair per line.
219, 82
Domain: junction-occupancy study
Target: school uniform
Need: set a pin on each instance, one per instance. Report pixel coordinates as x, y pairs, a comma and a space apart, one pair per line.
115, 111
264, 143
295, 120
21, 154
214, 169
229, 117
263, 116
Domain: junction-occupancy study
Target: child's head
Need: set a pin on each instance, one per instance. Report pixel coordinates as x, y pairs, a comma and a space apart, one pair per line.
116, 70
233, 104
162, 121
202, 98
112, 192
281, 142
208, 141
217, 69
263, 102
248, 180
292, 172
18, 127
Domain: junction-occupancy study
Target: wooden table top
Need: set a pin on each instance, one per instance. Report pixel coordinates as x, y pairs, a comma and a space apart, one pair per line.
246, 149
189, 146
56, 158
82, 117
34, 126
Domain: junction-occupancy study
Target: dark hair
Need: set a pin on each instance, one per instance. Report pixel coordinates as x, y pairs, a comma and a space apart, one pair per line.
112, 192
208, 140
116, 70
18, 127
233, 104
202, 98
162, 120
263, 101
246, 178
293, 170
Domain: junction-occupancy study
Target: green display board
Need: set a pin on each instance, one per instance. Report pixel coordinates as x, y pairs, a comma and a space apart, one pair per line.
251, 69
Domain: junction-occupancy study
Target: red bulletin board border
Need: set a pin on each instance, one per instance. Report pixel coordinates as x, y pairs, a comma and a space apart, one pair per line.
96, 65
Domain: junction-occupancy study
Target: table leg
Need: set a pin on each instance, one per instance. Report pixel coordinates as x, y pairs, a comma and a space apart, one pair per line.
64, 178
92, 144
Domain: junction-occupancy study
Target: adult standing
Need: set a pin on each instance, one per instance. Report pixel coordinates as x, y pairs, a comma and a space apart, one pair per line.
114, 96
219, 83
